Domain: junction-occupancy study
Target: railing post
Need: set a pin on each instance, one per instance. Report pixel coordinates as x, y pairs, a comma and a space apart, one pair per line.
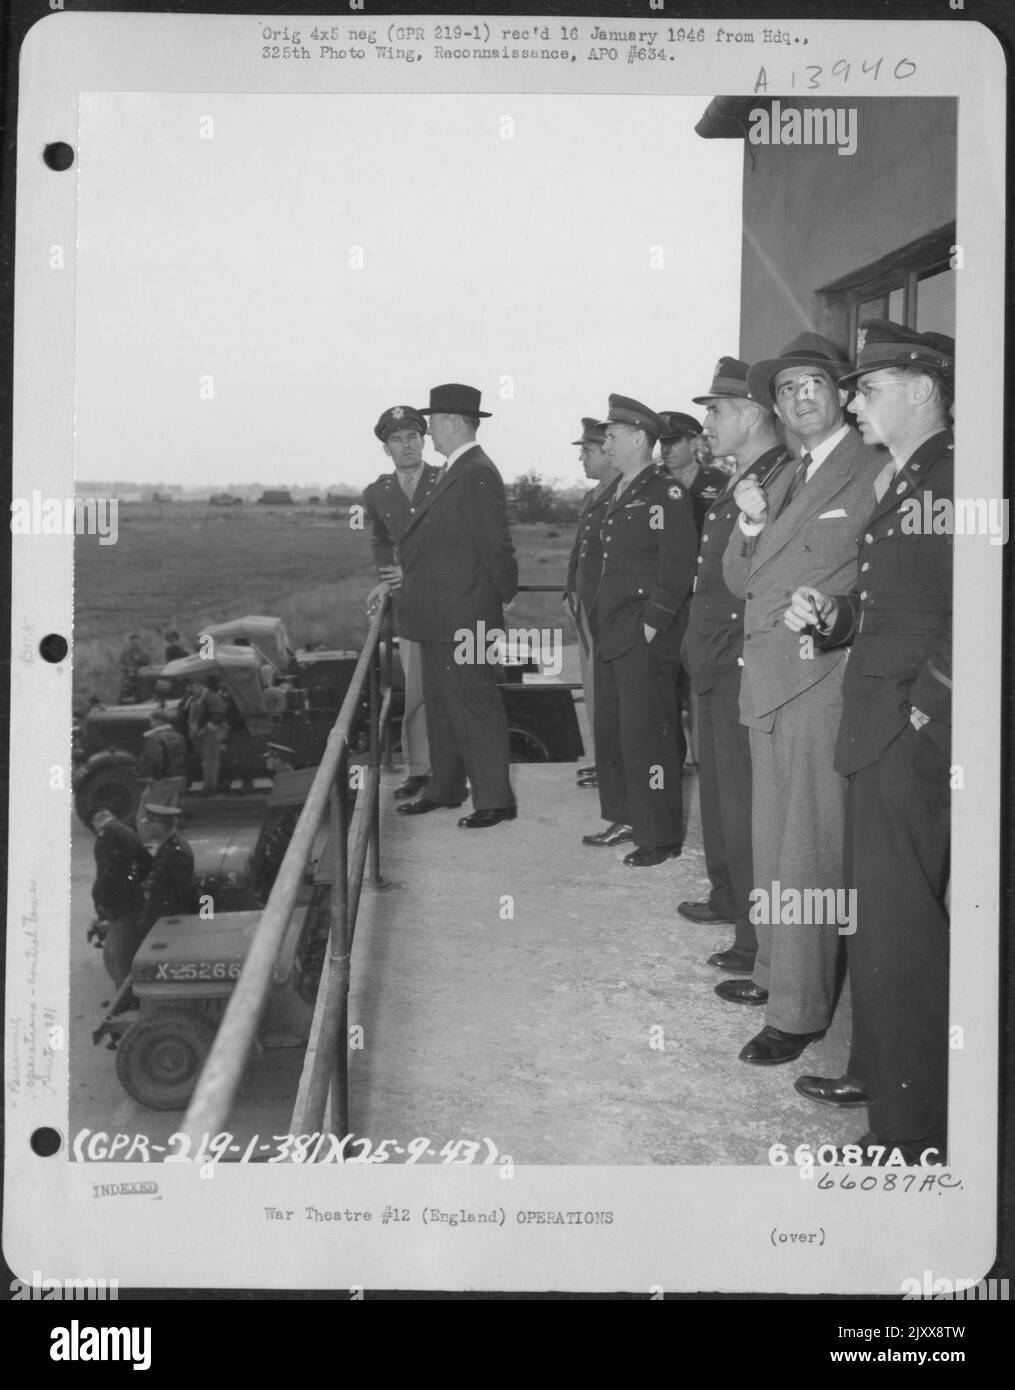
387, 629
338, 950
374, 848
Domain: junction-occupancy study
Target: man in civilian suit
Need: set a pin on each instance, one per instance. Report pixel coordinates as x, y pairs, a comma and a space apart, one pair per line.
391, 503
586, 564
894, 746
804, 525
739, 427
458, 570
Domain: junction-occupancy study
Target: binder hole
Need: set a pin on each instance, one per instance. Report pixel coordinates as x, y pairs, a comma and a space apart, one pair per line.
45, 1142
58, 156
53, 647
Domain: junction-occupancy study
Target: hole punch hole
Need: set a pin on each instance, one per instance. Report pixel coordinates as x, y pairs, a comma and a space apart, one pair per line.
46, 1142
58, 156
53, 647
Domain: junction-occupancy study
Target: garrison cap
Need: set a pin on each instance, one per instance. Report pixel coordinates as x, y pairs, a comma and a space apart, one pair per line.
626, 411
806, 350
399, 417
728, 379
881, 343
593, 431
678, 425
162, 812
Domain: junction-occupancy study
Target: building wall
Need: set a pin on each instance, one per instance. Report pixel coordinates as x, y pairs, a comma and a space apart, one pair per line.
812, 215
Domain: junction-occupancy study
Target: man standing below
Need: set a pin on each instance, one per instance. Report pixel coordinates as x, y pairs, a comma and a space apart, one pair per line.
586, 563
894, 745
278, 757
172, 886
121, 866
458, 571
737, 426
209, 730
391, 503
640, 615
804, 526
162, 767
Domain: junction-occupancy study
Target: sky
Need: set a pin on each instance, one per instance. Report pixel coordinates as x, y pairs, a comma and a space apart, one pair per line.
225, 332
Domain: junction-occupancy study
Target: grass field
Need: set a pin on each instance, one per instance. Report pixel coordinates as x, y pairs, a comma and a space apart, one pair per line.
183, 565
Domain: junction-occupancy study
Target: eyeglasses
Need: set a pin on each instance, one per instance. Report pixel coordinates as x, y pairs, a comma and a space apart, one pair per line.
867, 388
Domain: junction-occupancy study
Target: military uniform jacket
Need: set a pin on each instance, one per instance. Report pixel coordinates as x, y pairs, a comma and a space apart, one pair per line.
172, 888
899, 616
163, 754
458, 560
812, 542
715, 625
586, 563
649, 549
121, 865
390, 511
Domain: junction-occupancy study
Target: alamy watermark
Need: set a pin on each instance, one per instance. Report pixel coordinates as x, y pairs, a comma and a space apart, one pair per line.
66, 516
809, 125
812, 907
55, 1290
494, 646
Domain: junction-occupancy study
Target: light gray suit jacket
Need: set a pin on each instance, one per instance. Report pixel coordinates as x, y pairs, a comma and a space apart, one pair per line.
814, 541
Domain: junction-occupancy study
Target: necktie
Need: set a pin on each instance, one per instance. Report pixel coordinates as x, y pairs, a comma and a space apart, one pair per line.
408, 484
797, 481
883, 479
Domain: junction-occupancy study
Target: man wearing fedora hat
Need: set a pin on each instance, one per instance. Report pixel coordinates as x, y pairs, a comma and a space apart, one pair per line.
390, 504
458, 570
640, 613
894, 744
804, 524
739, 427
586, 563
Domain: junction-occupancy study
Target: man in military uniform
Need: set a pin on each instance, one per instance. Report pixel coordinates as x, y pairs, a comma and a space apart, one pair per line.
121, 866
459, 569
391, 503
804, 523
894, 745
586, 563
737, 426
278, 758
681, 455
162, 768
172, 885
208, 723
133, 657
640, 613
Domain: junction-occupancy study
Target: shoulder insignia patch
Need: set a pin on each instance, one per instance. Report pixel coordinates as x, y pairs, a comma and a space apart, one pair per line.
674, 490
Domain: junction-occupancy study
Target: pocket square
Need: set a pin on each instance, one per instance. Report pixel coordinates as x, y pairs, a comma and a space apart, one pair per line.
825, 515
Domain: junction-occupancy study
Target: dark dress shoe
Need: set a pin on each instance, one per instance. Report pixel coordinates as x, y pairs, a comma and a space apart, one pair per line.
479, 820
412, 786
702, 914
646, 855
615, 834
736, 960
421, 806
831, 1090
741, 992
772, 1045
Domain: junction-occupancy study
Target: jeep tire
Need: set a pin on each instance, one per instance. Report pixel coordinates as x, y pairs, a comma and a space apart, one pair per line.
159, 1058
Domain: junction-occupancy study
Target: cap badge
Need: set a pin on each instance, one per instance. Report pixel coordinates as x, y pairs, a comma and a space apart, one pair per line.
397, 413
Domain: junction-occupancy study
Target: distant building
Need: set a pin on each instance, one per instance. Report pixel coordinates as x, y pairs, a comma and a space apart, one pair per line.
831, 238
276, 497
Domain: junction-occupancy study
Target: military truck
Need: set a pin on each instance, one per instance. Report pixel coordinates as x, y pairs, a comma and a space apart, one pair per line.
285, 695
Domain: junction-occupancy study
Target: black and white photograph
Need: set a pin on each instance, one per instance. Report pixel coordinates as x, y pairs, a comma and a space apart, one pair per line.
506, 653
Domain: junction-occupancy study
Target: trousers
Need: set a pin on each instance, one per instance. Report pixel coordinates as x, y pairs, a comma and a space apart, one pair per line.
638, 751
724, 791
898, 814
468, 730
415, 743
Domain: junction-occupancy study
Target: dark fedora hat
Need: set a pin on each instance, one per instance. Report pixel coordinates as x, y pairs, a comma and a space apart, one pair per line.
455, 399
806, 350
729, 378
